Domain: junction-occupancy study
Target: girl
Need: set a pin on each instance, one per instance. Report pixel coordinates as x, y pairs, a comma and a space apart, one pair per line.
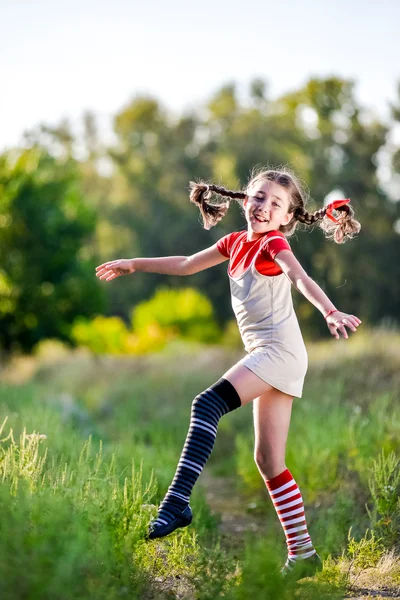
261, 269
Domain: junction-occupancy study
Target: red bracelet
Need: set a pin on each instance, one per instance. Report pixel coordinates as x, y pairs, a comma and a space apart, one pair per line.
330, 312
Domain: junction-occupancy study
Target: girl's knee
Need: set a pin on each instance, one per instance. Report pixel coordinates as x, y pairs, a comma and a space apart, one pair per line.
221, 396
269, 465
262, 460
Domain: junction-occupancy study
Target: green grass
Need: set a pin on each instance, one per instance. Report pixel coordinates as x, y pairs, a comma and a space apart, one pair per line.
76, 503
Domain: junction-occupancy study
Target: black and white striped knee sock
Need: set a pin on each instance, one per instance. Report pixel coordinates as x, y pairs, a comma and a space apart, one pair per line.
207, 409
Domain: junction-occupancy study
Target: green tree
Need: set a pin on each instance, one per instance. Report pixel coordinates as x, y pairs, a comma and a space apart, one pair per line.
46, 272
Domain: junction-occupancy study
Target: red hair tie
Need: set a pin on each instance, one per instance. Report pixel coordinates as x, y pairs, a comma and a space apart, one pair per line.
334, 206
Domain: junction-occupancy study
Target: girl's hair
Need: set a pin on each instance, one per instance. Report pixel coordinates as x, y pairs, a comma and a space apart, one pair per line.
346, 228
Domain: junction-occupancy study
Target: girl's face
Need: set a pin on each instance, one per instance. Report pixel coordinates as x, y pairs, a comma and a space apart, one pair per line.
266, 208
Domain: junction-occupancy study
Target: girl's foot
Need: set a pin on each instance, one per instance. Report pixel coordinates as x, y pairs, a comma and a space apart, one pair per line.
297, 569
157, 529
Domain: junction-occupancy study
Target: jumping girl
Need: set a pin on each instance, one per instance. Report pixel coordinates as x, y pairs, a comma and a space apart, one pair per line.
261, 270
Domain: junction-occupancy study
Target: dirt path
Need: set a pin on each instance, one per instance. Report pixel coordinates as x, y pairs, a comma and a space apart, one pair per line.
236, 513
373, 594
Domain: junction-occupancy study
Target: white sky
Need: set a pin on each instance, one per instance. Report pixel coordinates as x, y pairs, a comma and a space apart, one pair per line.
58, 59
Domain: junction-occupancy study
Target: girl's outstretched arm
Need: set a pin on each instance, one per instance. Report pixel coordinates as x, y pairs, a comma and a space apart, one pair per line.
336, 320
165, 265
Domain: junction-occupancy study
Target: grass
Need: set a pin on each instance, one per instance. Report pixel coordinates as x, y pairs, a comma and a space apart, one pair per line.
89, 446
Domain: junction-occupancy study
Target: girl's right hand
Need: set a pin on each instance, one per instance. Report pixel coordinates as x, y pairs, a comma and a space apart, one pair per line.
115, 268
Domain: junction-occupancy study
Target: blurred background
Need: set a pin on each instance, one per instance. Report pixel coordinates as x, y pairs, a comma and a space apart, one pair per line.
107, 111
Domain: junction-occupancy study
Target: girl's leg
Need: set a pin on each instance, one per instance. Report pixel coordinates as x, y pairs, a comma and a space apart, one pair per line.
272, 412
237, 387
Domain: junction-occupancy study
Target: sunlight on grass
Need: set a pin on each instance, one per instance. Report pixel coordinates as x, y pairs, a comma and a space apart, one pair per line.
89, 445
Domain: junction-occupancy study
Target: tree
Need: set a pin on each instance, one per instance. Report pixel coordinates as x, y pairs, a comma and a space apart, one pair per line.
45, 278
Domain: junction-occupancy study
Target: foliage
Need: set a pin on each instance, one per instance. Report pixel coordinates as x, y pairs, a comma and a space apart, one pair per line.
72, 525
45, 281
109, 335
335, 572
366, 552
384, 484
186, 313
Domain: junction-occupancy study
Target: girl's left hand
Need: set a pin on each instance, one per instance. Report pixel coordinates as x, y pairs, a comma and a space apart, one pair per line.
338, 321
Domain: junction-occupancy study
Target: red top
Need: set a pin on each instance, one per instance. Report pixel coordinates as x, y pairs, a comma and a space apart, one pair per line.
241, 252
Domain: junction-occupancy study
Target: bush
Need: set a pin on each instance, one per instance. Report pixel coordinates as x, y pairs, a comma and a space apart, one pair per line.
109, 335
102, 334
184, 313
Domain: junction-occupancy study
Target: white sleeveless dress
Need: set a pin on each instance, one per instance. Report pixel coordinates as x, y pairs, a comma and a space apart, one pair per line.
269, 328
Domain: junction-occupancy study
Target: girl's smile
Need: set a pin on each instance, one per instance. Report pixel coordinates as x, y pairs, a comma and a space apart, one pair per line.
260, 219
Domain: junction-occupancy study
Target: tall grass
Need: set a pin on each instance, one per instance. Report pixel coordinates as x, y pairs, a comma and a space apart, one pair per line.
89, 445
74, 525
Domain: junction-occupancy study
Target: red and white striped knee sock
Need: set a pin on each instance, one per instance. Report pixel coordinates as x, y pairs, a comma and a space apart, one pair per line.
286, 497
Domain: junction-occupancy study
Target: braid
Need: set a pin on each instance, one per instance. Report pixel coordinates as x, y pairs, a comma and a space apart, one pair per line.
212, 213
345, 229
301, 215
224, 192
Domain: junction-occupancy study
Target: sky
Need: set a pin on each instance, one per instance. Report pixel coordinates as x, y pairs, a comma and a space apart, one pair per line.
58, 59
